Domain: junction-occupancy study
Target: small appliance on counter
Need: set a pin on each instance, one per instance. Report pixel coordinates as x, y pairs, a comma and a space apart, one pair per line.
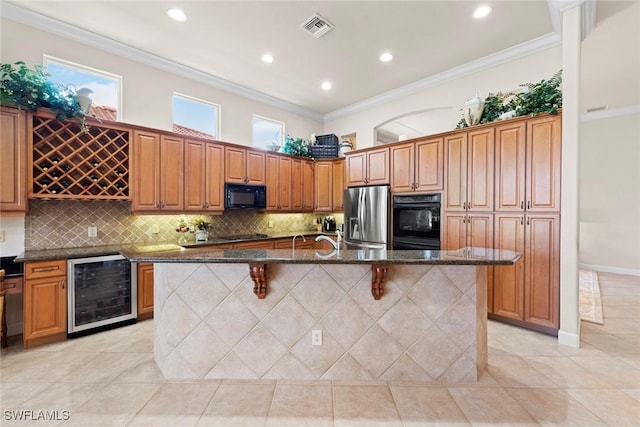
329, 224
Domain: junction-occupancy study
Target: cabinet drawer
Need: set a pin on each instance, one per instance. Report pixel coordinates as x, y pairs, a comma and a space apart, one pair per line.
13, 285
35, 270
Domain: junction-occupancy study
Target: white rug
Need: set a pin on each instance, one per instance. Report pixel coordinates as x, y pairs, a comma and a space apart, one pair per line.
590, 301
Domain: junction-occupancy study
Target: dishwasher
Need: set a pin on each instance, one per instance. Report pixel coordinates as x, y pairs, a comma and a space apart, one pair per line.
102, 294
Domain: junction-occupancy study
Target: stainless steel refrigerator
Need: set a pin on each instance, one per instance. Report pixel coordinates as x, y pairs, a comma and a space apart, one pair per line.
366, 217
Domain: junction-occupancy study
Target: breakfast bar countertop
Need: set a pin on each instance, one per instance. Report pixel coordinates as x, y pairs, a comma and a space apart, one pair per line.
464, 256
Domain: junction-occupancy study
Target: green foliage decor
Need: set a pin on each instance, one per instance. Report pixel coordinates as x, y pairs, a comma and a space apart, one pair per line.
296, 146
22, 86
542, 97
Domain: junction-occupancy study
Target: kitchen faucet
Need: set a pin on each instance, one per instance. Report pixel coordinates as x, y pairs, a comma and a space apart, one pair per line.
294, 240
336, 245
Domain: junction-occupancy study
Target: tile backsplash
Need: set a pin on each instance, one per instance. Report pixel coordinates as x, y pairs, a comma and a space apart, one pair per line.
53, 224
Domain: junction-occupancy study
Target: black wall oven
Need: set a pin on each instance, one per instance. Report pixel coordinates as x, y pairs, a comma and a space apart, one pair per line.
416, 221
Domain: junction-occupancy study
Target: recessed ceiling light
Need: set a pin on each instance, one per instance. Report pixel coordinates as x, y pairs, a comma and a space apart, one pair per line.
482, 11
177, 15
268, 58
326, 85
386, 57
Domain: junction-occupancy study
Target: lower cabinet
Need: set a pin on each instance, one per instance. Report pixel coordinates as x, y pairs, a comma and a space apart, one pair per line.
257, 244
287, 243
145, 290
529, 291
45, 302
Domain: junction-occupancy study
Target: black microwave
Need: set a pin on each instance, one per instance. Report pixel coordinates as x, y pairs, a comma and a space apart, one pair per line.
241, 196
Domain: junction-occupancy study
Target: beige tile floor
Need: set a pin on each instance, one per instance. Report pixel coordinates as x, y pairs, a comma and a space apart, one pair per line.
110, 379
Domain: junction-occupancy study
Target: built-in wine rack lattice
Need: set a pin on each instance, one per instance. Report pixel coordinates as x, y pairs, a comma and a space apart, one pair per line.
68, 163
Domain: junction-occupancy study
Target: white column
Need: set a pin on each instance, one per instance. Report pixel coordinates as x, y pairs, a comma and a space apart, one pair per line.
569, 333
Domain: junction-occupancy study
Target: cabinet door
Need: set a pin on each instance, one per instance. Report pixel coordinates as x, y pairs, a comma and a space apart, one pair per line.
454, 231
508, 280
145, 290
214, 177
297, 183
45, 308
145, 172
13, 194
285, 182
324, 188
378, 166
542, 275
171, 173
480, 230
356, 169
235, 164
510, 167
272, 181
544, 138
455, 160
402, 168
429, 165
308, 186
195, 181
337, 185
480, 170
255, 167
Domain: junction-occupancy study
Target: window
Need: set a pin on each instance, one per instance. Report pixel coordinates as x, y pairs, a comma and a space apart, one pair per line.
267, 132
195, 117
106, 88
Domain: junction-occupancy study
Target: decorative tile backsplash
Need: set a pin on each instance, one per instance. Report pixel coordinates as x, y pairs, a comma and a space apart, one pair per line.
53, 224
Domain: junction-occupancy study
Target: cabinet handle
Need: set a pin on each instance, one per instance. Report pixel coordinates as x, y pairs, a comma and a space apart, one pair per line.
528, 221
464, 205
521, 221
522, 204
529, 204
63, 283
43, 269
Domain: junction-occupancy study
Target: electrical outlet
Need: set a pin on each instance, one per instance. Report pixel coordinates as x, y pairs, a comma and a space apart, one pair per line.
155, 229
270, 224
92, 231
1, 235
316, 337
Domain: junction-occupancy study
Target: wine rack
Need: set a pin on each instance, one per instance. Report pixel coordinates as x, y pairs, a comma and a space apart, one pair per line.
68, 163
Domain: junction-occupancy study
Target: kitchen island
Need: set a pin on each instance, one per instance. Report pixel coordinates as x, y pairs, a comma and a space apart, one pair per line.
374, 315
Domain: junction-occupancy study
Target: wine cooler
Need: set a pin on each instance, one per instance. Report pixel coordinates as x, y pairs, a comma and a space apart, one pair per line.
102, 294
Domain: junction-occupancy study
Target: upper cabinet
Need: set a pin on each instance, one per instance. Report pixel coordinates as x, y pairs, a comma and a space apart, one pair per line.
370, 167
417, 166
157, 173
468, 158
244, 166
279, 182
528, 156
302, 185
329, 185
13, 198
203, 176
308, 186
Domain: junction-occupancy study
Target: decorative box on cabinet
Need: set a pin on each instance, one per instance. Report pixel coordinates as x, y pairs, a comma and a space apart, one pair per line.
45, 302
145, 290
370, 167
244, 166
13, 145
417, 166
157, 172
67, 163
203, 176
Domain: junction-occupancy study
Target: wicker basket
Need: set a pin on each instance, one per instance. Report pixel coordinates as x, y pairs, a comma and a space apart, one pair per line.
324, 151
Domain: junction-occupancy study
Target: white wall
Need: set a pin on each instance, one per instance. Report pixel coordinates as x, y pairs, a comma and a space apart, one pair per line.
147, 92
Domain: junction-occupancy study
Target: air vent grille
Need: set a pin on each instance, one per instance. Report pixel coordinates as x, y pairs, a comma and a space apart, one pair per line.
317, 26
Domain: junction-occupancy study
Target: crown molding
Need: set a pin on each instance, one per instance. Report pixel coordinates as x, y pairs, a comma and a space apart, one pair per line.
53, 26
608, 114
524, 49
587, 11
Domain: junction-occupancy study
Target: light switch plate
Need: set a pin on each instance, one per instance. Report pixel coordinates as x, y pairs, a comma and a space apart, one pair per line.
316, 337
155, 229
92, 231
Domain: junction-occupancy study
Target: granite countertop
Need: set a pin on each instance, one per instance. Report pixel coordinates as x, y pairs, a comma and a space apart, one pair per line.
466, 256
91, 251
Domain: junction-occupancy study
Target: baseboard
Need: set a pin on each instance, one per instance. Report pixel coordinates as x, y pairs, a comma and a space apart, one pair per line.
14, 329
569, 339
607, 269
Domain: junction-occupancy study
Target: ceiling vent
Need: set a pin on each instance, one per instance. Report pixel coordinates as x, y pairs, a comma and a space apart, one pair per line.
316, 25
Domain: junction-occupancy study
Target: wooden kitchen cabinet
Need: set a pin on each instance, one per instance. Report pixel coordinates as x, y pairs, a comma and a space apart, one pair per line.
45, 302
370, 167
329, 185
308, 186
297, 182
287, 243
417, 166
244, 166
145, 290
13, 145
279, 182
203, 176
463, 230
255, 244
528, 165
529, 291
469, 171
158, 172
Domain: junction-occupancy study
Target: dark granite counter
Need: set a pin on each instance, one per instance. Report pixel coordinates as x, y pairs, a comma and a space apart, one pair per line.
466, 256
69, 253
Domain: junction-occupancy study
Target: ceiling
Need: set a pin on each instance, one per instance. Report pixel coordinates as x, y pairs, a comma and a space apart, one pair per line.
226, 39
